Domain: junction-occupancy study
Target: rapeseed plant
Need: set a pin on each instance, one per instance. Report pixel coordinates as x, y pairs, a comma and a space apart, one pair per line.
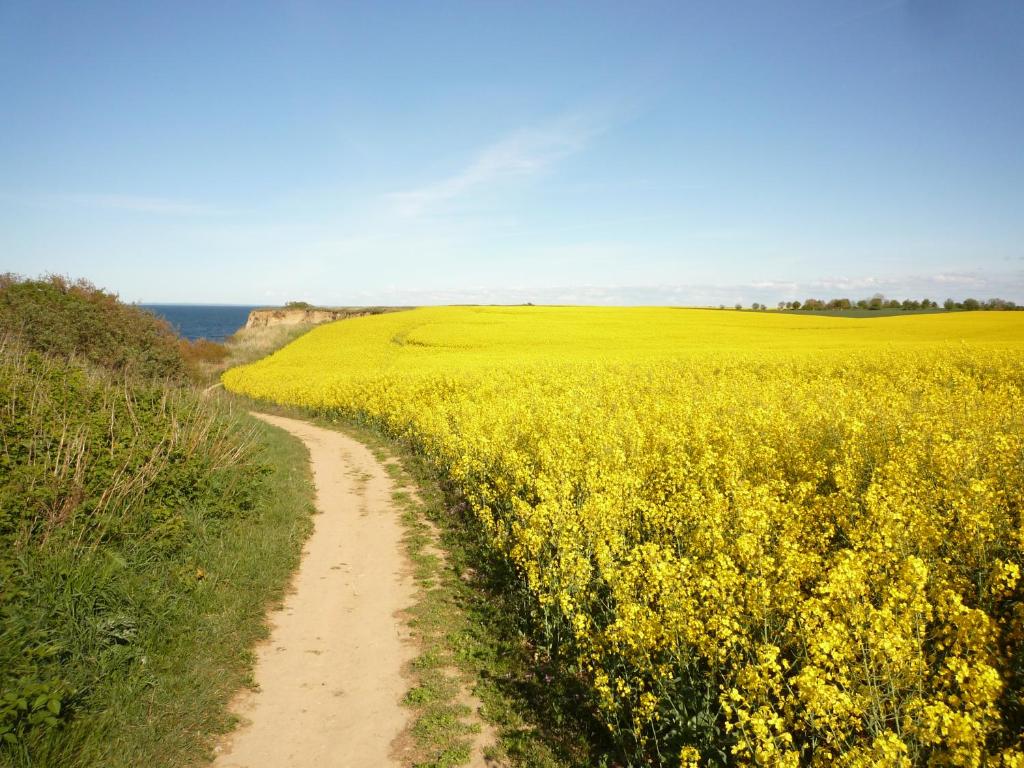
763, 539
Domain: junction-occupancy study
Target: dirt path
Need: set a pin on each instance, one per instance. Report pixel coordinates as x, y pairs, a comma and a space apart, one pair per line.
330, 676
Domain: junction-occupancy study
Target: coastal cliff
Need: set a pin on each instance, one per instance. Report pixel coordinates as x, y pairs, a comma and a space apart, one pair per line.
265, 317
307, 315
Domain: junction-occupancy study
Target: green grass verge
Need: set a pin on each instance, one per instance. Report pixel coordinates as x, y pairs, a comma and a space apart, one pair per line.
184, 646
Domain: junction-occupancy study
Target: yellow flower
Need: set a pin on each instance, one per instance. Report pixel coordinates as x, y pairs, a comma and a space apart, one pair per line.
812, 523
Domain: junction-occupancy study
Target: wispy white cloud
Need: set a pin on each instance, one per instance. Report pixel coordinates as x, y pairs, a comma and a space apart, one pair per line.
957, 281
903, 284
524, 153
958, 285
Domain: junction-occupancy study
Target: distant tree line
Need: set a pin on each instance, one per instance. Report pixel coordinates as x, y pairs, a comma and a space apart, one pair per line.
879, 302
875, 302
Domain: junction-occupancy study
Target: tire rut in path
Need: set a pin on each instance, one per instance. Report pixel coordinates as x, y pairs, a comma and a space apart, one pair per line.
329, 678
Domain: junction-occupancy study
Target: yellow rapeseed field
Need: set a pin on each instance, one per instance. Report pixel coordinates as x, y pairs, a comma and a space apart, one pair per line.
760, 538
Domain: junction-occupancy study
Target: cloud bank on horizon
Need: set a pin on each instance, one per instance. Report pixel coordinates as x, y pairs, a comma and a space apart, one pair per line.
581, 154
934, 287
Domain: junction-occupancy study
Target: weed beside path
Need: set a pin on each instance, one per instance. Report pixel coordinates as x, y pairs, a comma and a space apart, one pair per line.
145, 525
154, 642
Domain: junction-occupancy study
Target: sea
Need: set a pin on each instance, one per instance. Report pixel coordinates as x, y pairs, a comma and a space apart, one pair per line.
202, 321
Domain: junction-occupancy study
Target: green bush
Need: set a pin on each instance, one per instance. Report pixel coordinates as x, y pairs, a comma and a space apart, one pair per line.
74, 319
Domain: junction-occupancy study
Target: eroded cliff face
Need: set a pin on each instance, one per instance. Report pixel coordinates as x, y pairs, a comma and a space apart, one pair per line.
262, 318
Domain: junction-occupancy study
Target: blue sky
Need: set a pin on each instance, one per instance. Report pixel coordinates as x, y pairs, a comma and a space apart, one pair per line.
414, 153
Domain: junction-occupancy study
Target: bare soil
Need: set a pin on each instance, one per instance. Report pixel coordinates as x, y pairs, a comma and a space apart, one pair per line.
329, 679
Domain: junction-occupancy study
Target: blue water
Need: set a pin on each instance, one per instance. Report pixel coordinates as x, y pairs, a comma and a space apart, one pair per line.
202, 321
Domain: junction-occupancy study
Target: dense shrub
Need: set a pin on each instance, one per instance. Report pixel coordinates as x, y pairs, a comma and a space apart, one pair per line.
202, 353
75, 319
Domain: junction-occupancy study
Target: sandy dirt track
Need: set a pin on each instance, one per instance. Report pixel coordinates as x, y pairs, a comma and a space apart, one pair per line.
330, 676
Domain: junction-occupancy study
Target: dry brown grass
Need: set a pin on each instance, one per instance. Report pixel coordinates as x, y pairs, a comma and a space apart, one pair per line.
208, 360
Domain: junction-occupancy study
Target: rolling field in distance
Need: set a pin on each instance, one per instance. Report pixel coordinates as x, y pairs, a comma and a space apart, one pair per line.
459, 337
758, 538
